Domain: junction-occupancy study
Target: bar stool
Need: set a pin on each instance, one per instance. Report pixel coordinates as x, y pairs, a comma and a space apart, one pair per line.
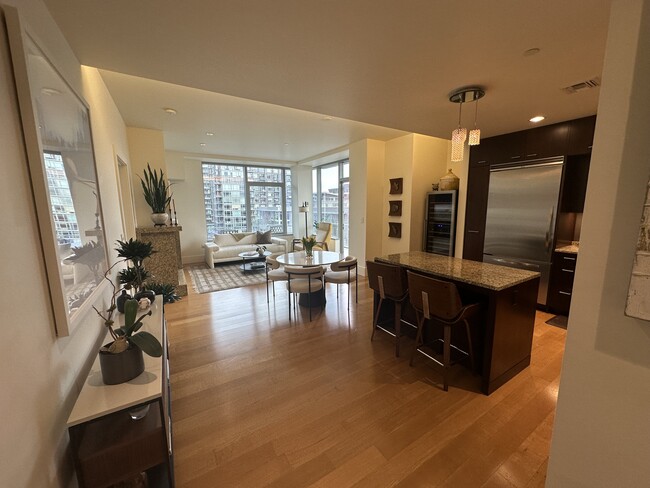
439, 301
389, 283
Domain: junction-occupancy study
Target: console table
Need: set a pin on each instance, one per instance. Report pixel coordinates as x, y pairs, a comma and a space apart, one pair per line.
107, 445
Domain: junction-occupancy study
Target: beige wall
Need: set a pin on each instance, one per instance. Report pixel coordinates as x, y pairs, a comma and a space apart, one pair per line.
41, 374
429, 165
398, 163
602, 428
366, 200
190, 207
146, 146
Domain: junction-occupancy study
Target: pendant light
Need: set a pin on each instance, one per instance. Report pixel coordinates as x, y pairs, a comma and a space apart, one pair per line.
459, 135
475, 133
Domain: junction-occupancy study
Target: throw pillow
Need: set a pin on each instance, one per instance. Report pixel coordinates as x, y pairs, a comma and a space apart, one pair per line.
264, 237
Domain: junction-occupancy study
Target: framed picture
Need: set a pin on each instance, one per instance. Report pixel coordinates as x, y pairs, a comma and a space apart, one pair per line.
394, 229
59, 147
396, 186
395, 208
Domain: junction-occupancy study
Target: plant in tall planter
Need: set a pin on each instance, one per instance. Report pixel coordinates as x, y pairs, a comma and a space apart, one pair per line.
156, 194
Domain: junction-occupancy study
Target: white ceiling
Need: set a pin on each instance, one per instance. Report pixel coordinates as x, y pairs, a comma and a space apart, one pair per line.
382, 62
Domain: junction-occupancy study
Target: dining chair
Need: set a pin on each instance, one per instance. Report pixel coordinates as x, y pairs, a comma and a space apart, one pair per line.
274, 273
439, 301
304, 280
389, 284
342, 273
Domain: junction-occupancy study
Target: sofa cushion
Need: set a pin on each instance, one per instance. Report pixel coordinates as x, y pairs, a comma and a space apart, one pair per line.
264, 237
235, 238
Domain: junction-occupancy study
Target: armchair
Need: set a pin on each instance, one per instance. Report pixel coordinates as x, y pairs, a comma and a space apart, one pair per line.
323, 238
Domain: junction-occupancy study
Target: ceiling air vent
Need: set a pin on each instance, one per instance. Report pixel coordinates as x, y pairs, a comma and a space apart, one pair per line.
583, 85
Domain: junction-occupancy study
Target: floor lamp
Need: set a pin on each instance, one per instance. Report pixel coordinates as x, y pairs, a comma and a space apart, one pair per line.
304, 208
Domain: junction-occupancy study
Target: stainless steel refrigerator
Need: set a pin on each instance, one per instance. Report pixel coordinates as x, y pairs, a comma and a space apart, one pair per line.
521, 213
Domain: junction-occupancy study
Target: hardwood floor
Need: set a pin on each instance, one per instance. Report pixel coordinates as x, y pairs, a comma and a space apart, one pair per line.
259, 401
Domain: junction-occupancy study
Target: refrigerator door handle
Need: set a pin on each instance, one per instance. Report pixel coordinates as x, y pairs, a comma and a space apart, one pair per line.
548, 239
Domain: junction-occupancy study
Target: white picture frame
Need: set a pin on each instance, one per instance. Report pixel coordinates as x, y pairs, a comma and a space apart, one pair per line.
63, 173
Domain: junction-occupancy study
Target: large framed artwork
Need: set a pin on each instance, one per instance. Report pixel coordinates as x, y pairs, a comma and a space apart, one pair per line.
59, 147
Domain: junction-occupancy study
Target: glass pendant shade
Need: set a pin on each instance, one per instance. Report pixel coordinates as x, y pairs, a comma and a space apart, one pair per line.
458, 137
474, 137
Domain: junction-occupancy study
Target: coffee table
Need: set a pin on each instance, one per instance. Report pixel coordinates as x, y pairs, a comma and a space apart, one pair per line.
252, 260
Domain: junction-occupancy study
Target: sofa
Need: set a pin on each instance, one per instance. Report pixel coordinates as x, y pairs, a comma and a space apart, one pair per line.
226, 247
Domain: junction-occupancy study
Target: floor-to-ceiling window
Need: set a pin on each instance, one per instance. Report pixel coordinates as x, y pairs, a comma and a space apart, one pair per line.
242, 198
331, 199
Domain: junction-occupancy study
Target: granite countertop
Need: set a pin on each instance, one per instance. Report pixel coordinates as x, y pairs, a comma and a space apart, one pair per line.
568, 248
485, 275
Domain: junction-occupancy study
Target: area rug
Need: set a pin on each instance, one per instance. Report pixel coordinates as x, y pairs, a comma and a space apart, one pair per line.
222, 277
558, 321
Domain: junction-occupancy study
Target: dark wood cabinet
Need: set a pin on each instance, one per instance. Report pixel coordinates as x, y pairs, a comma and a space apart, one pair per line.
581, 135
574, 183
561, 282
107, 444
547, 141
477, 194
572, 139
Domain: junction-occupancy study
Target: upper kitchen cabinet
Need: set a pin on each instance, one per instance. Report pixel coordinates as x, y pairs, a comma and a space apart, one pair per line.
581, 135
547, 141
537, 143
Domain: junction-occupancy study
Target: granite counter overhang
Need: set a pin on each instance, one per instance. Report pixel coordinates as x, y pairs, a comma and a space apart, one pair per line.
484, 275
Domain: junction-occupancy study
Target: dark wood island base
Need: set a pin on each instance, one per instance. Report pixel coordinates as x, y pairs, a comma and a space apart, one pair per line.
509, 298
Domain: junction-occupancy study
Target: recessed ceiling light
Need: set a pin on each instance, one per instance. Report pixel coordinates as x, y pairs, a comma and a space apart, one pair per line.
209, 133
537, 118
532, 52
170, 111
286, 143
203, 144
326, 117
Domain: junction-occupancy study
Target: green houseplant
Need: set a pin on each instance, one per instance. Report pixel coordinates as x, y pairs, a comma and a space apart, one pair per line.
121, 360
156, 194
134, 277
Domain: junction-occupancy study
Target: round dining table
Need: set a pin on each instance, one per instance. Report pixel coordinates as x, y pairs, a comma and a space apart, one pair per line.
318, 258
299, 258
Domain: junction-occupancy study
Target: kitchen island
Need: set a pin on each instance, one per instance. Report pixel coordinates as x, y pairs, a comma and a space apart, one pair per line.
509, 298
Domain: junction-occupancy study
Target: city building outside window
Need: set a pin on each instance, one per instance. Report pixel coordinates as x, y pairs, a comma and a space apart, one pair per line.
241, 198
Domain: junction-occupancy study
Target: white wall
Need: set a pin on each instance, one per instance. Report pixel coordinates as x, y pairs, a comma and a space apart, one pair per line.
146, 147
190, 206
602, 428
302, 192
40, 373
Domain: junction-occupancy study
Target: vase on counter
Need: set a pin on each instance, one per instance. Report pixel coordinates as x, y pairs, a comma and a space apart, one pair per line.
449, 182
